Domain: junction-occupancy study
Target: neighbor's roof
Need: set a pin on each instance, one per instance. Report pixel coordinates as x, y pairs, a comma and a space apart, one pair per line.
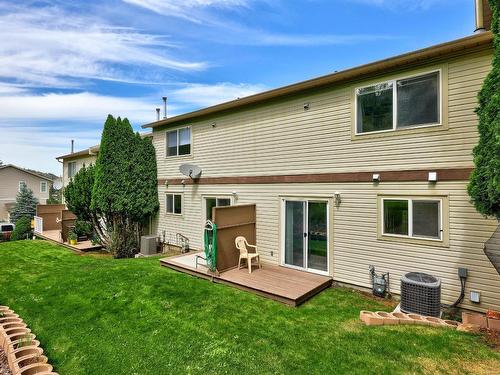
25, 171
93, 150
455, 47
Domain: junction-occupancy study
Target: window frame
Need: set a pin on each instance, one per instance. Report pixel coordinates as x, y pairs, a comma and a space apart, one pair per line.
410, 236
173, 213
19, 185
394, 81
178, 140
75, 171
43, 183
216, 197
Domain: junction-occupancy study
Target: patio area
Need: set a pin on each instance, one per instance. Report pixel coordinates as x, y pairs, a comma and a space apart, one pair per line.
55, 236
282, 284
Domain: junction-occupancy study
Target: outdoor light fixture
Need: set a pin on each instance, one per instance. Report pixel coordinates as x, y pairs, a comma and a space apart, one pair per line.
234, 193
433, 177
306, 106
166, 183
337, 198
376, 177
214, 124
183, 182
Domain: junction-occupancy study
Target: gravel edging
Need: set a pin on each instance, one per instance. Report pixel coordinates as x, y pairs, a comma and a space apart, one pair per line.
4, 366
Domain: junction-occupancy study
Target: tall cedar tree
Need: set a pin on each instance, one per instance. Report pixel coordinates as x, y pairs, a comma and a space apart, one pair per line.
78, 195
125, 186
484, 185
144, 189
25, 205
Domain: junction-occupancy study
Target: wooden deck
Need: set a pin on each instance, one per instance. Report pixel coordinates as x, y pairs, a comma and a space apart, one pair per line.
282, 284
55, 236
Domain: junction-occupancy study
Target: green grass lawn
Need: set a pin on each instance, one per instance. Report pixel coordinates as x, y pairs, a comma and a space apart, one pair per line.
97, 315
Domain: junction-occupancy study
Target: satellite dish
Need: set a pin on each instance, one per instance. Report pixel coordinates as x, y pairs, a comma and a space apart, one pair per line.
190, 170
57, 184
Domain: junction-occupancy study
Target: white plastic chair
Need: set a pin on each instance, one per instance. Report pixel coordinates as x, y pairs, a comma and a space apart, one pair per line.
242, 245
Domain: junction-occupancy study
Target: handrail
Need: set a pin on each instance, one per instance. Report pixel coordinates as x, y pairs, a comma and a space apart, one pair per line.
38, 224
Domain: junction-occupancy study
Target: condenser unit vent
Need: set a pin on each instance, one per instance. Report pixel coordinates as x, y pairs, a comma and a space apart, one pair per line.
421, 294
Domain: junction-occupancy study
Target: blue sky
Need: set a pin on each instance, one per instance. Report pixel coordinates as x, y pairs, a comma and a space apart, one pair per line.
65, 65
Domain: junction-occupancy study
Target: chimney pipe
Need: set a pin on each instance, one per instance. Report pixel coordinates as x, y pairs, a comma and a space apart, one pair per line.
72, 145
164, 107
479, 16
157, 114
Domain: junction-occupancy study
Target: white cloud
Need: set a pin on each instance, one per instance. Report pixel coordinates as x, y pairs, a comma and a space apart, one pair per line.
82, 106
191, 10
206, 95
51, 47
399, 4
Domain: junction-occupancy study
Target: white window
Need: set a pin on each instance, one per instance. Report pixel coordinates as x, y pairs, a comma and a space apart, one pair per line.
173, 204
21, 184
211, 202
71, 169
399, 104
43, 186
412, 218
179, 142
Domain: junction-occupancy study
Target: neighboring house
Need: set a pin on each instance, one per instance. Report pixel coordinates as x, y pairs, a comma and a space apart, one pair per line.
11, 180
74, 161
367, 166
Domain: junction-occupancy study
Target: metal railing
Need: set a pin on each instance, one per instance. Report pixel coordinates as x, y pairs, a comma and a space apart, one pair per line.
38, 224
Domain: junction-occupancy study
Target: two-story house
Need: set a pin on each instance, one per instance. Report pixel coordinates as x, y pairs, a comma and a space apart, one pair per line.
12, 178
366, 166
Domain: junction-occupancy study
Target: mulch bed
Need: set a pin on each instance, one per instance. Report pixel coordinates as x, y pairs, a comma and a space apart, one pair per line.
4, 367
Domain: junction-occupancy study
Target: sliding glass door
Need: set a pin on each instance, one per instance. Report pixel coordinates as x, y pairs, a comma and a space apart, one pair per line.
306, 234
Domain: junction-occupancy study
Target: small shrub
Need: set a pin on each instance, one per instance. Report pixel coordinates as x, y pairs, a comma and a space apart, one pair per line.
22, 230
83, 228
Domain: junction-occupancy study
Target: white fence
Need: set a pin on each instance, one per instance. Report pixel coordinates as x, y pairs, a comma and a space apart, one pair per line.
38, 224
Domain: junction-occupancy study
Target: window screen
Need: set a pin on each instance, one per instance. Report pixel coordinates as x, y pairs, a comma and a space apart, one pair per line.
426, 219
172, 143
418, 100
177, 204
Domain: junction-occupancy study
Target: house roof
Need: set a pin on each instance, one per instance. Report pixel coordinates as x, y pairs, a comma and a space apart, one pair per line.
452, 48
25, 171
93, 150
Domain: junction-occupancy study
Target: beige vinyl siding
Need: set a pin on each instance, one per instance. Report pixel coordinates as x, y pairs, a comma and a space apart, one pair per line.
80, 161
281, 138
354, 233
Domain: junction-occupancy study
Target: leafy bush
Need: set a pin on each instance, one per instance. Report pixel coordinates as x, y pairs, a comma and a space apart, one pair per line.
83, 228
22, 230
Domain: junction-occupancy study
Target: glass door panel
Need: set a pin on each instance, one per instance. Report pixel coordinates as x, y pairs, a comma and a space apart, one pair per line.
294, 233
317, 236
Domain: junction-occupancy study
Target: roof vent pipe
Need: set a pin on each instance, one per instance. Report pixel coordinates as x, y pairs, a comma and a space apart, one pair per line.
157, 114
72, 145
479, 16
164, 107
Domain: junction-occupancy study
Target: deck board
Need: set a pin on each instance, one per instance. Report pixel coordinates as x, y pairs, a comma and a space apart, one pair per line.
286, 285
55, 236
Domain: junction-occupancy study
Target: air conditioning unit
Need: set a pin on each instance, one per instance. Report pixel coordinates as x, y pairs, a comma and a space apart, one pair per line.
421, 294
148, 245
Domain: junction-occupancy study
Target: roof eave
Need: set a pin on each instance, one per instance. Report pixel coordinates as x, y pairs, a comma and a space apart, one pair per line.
448, 48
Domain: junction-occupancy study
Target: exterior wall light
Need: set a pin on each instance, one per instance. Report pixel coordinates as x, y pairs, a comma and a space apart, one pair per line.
433, 177
166, 183
306, 106
376, 177
183, 182
337, 198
